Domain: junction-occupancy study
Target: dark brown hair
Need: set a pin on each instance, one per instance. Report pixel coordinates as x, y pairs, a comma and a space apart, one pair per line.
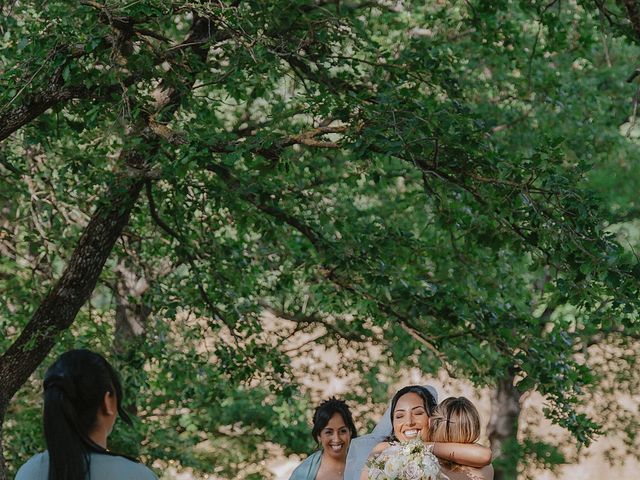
326, 410
74, 389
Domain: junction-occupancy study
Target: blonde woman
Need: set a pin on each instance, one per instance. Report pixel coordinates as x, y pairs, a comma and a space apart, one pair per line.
456, 420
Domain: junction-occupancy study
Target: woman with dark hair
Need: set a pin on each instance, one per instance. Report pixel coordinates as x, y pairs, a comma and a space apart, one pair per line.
82, 399
411, 410
333, 429
411, 407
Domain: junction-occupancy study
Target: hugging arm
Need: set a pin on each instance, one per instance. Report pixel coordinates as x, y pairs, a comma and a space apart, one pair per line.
379, 448
364, 474
470, 454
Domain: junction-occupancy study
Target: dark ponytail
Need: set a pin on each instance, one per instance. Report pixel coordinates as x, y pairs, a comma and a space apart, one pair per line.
74, 389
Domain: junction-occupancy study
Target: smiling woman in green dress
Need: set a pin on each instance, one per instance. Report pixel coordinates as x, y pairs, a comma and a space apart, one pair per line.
333, 429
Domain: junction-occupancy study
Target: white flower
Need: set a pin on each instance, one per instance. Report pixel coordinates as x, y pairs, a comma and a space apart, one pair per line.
412, 447
375, 474
430, 465
405, 461
412, 471
393, 466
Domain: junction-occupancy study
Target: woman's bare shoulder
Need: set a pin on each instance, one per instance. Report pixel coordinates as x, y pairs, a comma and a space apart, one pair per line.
463, 472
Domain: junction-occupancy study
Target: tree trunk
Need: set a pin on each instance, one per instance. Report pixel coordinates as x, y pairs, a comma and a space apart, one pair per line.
131, 311
503, 428
60, 307
132, 314
58, 310
3, 464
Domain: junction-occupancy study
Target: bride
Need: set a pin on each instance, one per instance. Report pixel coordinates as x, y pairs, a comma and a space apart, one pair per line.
408, 418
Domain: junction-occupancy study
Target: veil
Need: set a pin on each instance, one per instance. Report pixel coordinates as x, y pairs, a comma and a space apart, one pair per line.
361, 447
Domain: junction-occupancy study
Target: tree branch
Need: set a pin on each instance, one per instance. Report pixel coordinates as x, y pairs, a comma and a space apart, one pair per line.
254, 198
52, 96
300, 318
191, 260
59, 308
20, 116
633, 12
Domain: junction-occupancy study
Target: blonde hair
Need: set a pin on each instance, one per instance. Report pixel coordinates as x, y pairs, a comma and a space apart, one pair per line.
456, 419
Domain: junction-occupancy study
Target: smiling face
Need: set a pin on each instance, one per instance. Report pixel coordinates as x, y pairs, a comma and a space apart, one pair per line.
410, 419
335, 437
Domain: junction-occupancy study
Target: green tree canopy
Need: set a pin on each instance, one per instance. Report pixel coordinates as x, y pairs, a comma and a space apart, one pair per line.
414, 174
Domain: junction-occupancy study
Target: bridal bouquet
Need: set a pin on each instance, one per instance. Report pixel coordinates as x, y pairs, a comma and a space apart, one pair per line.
405, 461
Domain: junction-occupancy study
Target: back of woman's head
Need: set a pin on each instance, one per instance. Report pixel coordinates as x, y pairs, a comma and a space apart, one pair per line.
74, 391
328, 409
456, 420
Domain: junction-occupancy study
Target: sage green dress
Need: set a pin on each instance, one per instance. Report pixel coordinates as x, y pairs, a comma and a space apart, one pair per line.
103, 467
308, 469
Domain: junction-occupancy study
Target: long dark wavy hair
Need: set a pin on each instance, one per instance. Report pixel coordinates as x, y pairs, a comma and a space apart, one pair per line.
428, 401
74, 390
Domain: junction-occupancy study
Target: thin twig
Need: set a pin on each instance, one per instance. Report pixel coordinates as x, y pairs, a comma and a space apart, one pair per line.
190, 258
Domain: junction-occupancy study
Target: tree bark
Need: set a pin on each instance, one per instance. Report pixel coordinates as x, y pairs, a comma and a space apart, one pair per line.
503, 427
633, 12
20, 116
3, 464
60, 307
58, 310
131, 311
